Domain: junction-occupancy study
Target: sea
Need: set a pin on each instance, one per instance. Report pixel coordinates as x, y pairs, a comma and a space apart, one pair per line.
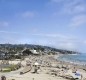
74, 58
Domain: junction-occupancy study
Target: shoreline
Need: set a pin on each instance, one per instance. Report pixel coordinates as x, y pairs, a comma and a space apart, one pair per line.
76, 62
68, 62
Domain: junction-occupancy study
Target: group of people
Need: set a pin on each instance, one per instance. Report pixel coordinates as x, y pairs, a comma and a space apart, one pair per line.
77, 74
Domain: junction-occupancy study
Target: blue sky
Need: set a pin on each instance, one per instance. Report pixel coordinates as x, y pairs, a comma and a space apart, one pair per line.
56, 23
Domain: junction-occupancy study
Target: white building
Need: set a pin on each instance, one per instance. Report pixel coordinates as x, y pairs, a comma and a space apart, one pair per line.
34, 51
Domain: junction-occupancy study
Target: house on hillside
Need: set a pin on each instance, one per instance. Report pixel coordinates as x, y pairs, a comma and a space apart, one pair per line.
34, 52
4, 55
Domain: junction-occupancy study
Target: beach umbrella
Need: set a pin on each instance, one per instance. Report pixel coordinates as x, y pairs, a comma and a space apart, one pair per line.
36, 63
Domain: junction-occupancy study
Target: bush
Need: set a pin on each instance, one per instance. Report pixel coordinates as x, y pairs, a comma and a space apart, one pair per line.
6, 70
13, 79
11, 68
14, 67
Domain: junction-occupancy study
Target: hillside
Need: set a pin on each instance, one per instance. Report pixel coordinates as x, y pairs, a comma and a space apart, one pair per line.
20, 47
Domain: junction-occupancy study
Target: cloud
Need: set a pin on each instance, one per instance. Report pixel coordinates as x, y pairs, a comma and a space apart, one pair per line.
59, 38
84, 42
4, 24
70, 7
28, 14
78, 8
73, 9
78, 21
53, 40
56, 36
59, 41
68, 45
9, 32
34, 30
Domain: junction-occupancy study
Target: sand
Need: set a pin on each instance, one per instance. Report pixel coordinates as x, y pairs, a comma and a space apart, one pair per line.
50, 69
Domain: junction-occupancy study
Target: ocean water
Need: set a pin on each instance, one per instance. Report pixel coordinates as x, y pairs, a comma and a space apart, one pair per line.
76, 58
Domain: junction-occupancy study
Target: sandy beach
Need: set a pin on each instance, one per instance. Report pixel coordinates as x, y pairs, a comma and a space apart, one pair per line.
50, 69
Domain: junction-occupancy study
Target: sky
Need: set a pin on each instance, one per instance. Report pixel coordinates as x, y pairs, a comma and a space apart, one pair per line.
56, 23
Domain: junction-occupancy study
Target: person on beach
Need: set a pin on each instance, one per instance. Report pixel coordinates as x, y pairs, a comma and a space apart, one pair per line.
74, 70
3, 78
36, 67
77, 75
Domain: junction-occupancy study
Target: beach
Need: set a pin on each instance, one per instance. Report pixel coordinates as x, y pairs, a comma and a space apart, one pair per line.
50, 69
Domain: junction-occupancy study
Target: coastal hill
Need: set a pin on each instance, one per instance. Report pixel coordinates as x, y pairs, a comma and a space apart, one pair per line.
15, 48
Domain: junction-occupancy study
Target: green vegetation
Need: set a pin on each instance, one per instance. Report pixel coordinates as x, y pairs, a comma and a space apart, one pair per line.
13, 79
11, 68
6, 70
19, 51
